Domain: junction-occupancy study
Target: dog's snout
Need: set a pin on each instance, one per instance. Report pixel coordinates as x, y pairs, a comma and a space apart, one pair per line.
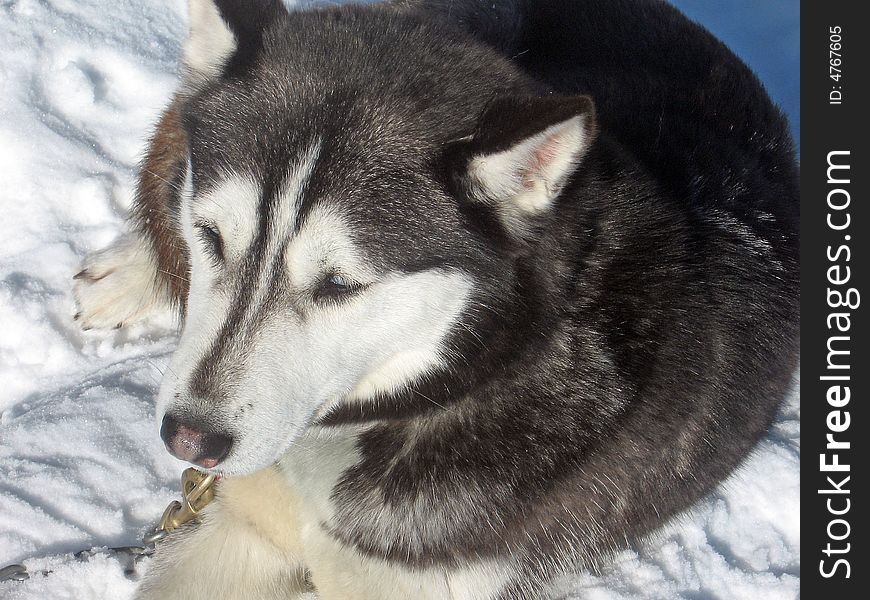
204, 448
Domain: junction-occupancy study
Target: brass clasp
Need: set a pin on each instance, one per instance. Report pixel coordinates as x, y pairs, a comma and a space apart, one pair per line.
197, 490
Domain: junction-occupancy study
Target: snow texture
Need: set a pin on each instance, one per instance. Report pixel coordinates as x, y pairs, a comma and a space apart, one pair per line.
81, 463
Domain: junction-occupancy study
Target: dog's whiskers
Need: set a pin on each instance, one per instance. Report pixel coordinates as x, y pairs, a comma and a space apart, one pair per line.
439, 405
177, 276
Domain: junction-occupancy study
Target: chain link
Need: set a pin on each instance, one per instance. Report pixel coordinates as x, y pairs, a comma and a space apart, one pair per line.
197, 490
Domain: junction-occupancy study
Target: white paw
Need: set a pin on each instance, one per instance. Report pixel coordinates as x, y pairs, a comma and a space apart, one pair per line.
118, 285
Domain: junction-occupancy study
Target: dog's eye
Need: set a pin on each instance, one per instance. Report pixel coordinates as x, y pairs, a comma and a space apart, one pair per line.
335, 286
212, 240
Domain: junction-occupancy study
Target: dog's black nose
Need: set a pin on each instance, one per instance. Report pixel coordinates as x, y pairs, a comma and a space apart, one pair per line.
203, 448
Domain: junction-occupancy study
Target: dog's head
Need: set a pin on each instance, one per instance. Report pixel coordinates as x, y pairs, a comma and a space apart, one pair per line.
360, 187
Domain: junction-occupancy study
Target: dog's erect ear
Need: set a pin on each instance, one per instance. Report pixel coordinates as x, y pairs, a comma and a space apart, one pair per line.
521, 156
221, 28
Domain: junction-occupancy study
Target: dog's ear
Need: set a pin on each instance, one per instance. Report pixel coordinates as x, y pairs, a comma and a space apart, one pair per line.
220, 29
522, 154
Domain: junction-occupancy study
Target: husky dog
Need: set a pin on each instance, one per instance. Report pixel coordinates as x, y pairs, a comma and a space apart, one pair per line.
474, 292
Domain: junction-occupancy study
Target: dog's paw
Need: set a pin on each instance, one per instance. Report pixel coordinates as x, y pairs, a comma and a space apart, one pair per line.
117, 286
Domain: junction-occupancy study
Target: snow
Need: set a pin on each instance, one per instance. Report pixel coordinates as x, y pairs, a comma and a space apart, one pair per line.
81, 464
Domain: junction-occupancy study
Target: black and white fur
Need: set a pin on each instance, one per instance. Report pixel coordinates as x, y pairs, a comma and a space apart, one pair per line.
481, 291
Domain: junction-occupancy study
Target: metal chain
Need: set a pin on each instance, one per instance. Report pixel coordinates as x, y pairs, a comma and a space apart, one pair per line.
197, 490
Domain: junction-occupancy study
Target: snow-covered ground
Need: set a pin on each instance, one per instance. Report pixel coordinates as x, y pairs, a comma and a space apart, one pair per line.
81, 464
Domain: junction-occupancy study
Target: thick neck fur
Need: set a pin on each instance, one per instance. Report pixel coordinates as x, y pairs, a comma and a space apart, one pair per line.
538, 365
